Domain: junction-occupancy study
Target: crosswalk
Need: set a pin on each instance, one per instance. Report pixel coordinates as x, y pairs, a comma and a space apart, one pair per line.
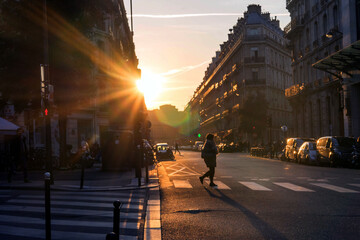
270, 186
74, 215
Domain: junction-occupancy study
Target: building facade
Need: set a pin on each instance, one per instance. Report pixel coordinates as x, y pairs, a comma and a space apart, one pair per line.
253, 65
322, 103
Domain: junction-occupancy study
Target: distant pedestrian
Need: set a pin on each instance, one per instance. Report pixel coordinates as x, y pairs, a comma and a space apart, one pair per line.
208, 153
177, 148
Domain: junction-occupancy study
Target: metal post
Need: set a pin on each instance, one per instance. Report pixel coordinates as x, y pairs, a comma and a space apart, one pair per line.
82, 173
131, 16
48, 163
47, 178
146, 168
116, 226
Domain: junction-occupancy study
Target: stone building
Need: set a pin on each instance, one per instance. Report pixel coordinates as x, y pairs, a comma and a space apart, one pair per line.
93, 73
324, 96
252, 64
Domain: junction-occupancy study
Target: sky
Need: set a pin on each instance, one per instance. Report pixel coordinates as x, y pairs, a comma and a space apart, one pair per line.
176, 39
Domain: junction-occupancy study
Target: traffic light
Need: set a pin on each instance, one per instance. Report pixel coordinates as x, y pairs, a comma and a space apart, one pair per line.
199, 135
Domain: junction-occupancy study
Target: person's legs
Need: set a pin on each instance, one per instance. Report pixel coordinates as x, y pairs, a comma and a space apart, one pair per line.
207, 174
212, 174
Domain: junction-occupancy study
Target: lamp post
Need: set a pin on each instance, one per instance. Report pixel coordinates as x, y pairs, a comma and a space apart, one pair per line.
45, 82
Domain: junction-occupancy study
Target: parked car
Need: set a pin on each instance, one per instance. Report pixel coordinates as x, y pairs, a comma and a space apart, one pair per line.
163, 151
197, 144
292, 147
307, 153
335, 151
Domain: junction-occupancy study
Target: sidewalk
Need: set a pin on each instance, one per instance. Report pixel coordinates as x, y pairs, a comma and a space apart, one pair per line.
69, 180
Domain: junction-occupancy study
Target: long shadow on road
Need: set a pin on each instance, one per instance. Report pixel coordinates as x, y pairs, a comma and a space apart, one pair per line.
264, 228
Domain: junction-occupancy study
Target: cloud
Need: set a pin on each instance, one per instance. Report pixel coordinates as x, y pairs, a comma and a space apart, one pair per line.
184, 15
194, 15
178, 71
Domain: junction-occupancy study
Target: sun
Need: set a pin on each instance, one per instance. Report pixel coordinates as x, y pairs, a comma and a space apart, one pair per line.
151, 85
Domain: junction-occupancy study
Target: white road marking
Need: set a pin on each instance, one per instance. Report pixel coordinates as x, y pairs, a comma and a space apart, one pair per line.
220, 185
102, 199
182, 184
70, 211
73, 203
293, 187
355, 184
334, 188
78, 222
55, 235
255, 186
176, 171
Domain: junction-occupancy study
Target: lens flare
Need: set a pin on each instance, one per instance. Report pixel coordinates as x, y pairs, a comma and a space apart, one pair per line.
151, 85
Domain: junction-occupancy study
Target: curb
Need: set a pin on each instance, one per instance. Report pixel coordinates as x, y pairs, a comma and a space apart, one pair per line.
152, 228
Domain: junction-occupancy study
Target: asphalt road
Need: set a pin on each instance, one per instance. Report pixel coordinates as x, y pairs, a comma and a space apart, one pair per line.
258, 198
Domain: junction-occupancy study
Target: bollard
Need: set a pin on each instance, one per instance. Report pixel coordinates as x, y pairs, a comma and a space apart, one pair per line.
146, 169
111, 236
116, 225
47, 179
82, 161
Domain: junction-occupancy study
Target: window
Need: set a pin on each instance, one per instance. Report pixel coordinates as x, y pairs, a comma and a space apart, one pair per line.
255, 73
307, 35
316, 30
253, 31
335, 16
254, 52
325, 24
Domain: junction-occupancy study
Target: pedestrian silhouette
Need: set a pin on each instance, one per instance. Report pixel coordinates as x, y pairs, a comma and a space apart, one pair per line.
208, 153
177, 148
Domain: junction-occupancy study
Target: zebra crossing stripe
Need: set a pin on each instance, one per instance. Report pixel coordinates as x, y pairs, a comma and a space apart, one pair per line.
69, 211
101, 194
78, 223
73, 203
220, 185
182, 184
334, 188
84, 198
4, 196
293, 187
255, 186
355, 184
55, 235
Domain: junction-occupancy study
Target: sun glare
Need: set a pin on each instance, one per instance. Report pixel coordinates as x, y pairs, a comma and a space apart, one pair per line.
151, 85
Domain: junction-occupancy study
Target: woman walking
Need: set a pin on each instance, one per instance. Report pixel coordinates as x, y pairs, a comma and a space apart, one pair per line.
208, 153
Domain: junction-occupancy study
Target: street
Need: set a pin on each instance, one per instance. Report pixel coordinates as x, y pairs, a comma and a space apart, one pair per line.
74, 215
257, 198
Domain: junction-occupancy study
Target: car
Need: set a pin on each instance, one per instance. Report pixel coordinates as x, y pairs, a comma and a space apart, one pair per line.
292, 147
307, 153
163, 152
197, 144
335, 151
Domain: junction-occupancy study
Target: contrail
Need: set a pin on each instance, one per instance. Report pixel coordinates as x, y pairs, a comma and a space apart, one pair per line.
195, 15
181, 70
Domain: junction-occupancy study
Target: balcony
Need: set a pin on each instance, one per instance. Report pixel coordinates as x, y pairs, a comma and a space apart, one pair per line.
294, 90
295, 26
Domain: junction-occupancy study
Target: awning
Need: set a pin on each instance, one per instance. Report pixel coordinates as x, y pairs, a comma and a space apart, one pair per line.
7, 128
344, 60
